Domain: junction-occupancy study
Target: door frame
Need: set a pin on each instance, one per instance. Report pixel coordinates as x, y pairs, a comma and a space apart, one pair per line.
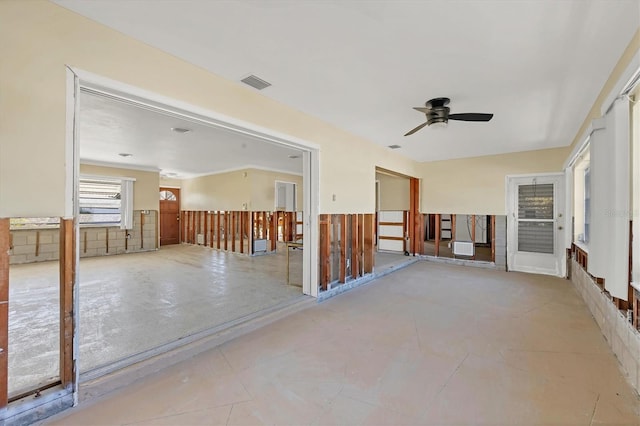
161, 188
78, 79
560, 222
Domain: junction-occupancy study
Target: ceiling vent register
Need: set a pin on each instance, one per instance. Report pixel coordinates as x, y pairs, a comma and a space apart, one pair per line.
255, 82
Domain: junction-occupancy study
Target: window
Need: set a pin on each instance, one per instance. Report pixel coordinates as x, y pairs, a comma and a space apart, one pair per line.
166, 195
100, 201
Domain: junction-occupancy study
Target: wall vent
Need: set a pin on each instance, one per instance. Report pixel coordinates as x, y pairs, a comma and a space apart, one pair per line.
463, 248
255, 82
394, 146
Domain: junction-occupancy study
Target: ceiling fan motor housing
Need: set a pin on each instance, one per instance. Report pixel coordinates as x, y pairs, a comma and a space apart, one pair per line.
438, 115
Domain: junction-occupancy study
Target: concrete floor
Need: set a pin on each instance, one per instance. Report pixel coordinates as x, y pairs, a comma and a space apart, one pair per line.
429, 344
135, 302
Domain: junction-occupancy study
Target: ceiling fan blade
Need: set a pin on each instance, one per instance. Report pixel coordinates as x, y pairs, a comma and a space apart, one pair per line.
423, 109
471, 116
417, 128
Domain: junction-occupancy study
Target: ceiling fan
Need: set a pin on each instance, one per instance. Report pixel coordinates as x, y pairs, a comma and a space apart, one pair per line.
437, 113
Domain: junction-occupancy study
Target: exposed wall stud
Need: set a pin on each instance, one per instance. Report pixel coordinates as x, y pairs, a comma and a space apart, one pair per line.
5, 246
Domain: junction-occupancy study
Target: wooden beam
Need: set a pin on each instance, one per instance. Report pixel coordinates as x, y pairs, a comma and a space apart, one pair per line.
242, 215
273, 231
473, 235
453, 227
84, 243
493, 238
368, 248
325, 250
218, 229
183, 226
406, 220
343, 248
226, 230
5, 246
106, 239
252, 224
205, 232
233, 231
416, 242
141, 232
437, 247
355, 249
67, 274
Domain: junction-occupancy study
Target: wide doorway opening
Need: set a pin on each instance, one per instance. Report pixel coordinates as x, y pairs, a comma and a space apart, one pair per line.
178, 235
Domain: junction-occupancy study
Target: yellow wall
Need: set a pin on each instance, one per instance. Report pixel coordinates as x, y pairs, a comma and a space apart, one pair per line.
169, 182
394, 192
39, 38
223, 191
248, 189
477, 185
145, 189
263, 187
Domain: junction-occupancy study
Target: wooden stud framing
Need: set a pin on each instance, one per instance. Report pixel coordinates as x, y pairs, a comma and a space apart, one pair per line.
453, 227
493, 238
343, 248
406, 230
325, 250
226, 230
218, 229
251, 233
355, 249
368, 248
206, 228
106, 239
67, 273
141, 232
437, 241
414, 213
233, 231
5, 245
273, 231
473, 235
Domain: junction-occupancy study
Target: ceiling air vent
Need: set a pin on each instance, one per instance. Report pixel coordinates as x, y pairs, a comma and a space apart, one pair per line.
394, 146
255, 82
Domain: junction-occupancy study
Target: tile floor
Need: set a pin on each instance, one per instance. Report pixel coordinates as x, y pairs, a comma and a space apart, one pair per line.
430, 344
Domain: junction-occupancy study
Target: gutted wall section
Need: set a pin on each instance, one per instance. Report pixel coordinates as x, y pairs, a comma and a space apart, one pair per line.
39, 245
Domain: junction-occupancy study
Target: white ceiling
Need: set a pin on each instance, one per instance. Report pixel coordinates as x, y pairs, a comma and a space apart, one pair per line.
109, 127
538, 65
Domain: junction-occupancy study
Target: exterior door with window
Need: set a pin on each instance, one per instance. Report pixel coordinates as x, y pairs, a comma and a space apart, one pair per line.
535, 220
169, 216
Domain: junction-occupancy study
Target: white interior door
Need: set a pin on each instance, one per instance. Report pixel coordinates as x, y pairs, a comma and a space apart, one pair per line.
535, 220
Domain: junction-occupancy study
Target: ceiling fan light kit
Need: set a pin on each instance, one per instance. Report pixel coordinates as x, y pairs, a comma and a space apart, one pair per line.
437, 113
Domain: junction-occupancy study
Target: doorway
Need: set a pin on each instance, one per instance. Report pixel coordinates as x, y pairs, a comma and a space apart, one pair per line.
169, 216
535, 219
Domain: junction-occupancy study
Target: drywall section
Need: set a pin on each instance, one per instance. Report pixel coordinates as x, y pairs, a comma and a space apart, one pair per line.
394, 192
170, 182
240, 190
146, 188
221, 191
44, 38
263, 189
477, 185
